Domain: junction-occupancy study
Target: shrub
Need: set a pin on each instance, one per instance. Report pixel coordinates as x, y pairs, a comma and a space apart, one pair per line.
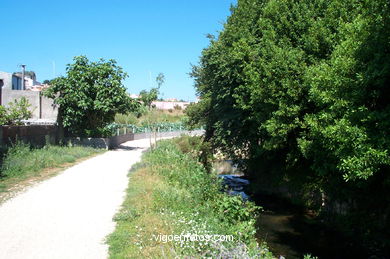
17, 111
198, 148
3, 115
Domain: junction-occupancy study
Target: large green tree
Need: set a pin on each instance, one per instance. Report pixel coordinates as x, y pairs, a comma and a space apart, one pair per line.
90, 95
299, 92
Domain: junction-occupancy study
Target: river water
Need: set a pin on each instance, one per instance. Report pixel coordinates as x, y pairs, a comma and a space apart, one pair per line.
290, 231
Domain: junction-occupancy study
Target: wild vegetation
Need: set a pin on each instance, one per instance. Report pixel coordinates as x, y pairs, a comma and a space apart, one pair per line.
15, 112
149, 119
20, 162
298, 93
171, 193
144, 116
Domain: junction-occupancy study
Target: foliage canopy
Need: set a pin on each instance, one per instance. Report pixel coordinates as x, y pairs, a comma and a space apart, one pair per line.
300, 90
90, 95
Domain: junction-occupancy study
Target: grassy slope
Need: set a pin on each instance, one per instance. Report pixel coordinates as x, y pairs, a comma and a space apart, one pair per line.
171, 193
156, 116
23, 166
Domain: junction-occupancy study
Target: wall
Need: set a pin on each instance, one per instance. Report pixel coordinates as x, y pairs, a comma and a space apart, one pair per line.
7, 79
41, 107
39, 135
35, 135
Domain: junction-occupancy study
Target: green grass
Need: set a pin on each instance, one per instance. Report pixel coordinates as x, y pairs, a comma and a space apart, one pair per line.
151, 116
170, 193
21, 163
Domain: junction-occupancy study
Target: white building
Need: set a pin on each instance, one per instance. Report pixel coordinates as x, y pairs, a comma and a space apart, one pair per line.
163, 105
14, 81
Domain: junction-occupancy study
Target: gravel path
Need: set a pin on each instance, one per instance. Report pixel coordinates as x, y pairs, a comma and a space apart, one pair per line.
69, 215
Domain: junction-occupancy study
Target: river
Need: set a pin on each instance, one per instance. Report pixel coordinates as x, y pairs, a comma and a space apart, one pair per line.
289, 231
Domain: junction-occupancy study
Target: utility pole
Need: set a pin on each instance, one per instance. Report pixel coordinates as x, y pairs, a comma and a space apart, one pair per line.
23, 72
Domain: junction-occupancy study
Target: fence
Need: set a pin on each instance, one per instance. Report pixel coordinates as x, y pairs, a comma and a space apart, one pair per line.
120, 129
116, 141
40, 135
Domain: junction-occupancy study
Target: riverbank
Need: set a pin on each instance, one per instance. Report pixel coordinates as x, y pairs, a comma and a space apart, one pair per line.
170, 197
293, 231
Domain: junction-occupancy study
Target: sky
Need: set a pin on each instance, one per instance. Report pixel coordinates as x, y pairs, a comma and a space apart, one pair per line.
145, 37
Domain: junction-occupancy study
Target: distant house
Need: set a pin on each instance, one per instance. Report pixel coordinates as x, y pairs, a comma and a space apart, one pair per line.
167, 104
9, 81
43, 109
14, 81
164, 105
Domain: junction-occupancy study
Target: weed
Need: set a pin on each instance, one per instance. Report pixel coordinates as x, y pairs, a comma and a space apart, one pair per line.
171, 193
21, 161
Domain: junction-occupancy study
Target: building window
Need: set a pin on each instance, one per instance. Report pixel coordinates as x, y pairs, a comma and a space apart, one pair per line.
1, 82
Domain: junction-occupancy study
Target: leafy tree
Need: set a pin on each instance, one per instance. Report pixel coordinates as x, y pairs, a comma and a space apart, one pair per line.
90, 95
196, 114
160, 79
299, 91
292, 77
147, 97
46, 81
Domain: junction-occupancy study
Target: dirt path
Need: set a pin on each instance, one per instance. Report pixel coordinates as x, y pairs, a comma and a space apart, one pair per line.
69, 215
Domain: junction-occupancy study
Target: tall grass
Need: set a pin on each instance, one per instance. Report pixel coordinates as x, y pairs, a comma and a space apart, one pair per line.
22, 161
150, 116
171, 193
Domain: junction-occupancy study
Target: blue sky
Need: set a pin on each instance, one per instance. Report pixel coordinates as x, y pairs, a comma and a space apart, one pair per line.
145, 37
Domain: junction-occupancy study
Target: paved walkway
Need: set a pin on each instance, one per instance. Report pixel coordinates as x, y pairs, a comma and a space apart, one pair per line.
69, 215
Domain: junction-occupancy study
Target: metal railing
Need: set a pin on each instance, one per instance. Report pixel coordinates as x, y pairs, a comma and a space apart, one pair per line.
121, 129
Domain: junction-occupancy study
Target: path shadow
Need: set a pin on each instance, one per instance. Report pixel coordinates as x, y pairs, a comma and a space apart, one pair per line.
122, 147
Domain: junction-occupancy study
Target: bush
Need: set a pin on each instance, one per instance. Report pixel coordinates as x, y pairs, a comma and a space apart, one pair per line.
16, 112
198, 148
3, 115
